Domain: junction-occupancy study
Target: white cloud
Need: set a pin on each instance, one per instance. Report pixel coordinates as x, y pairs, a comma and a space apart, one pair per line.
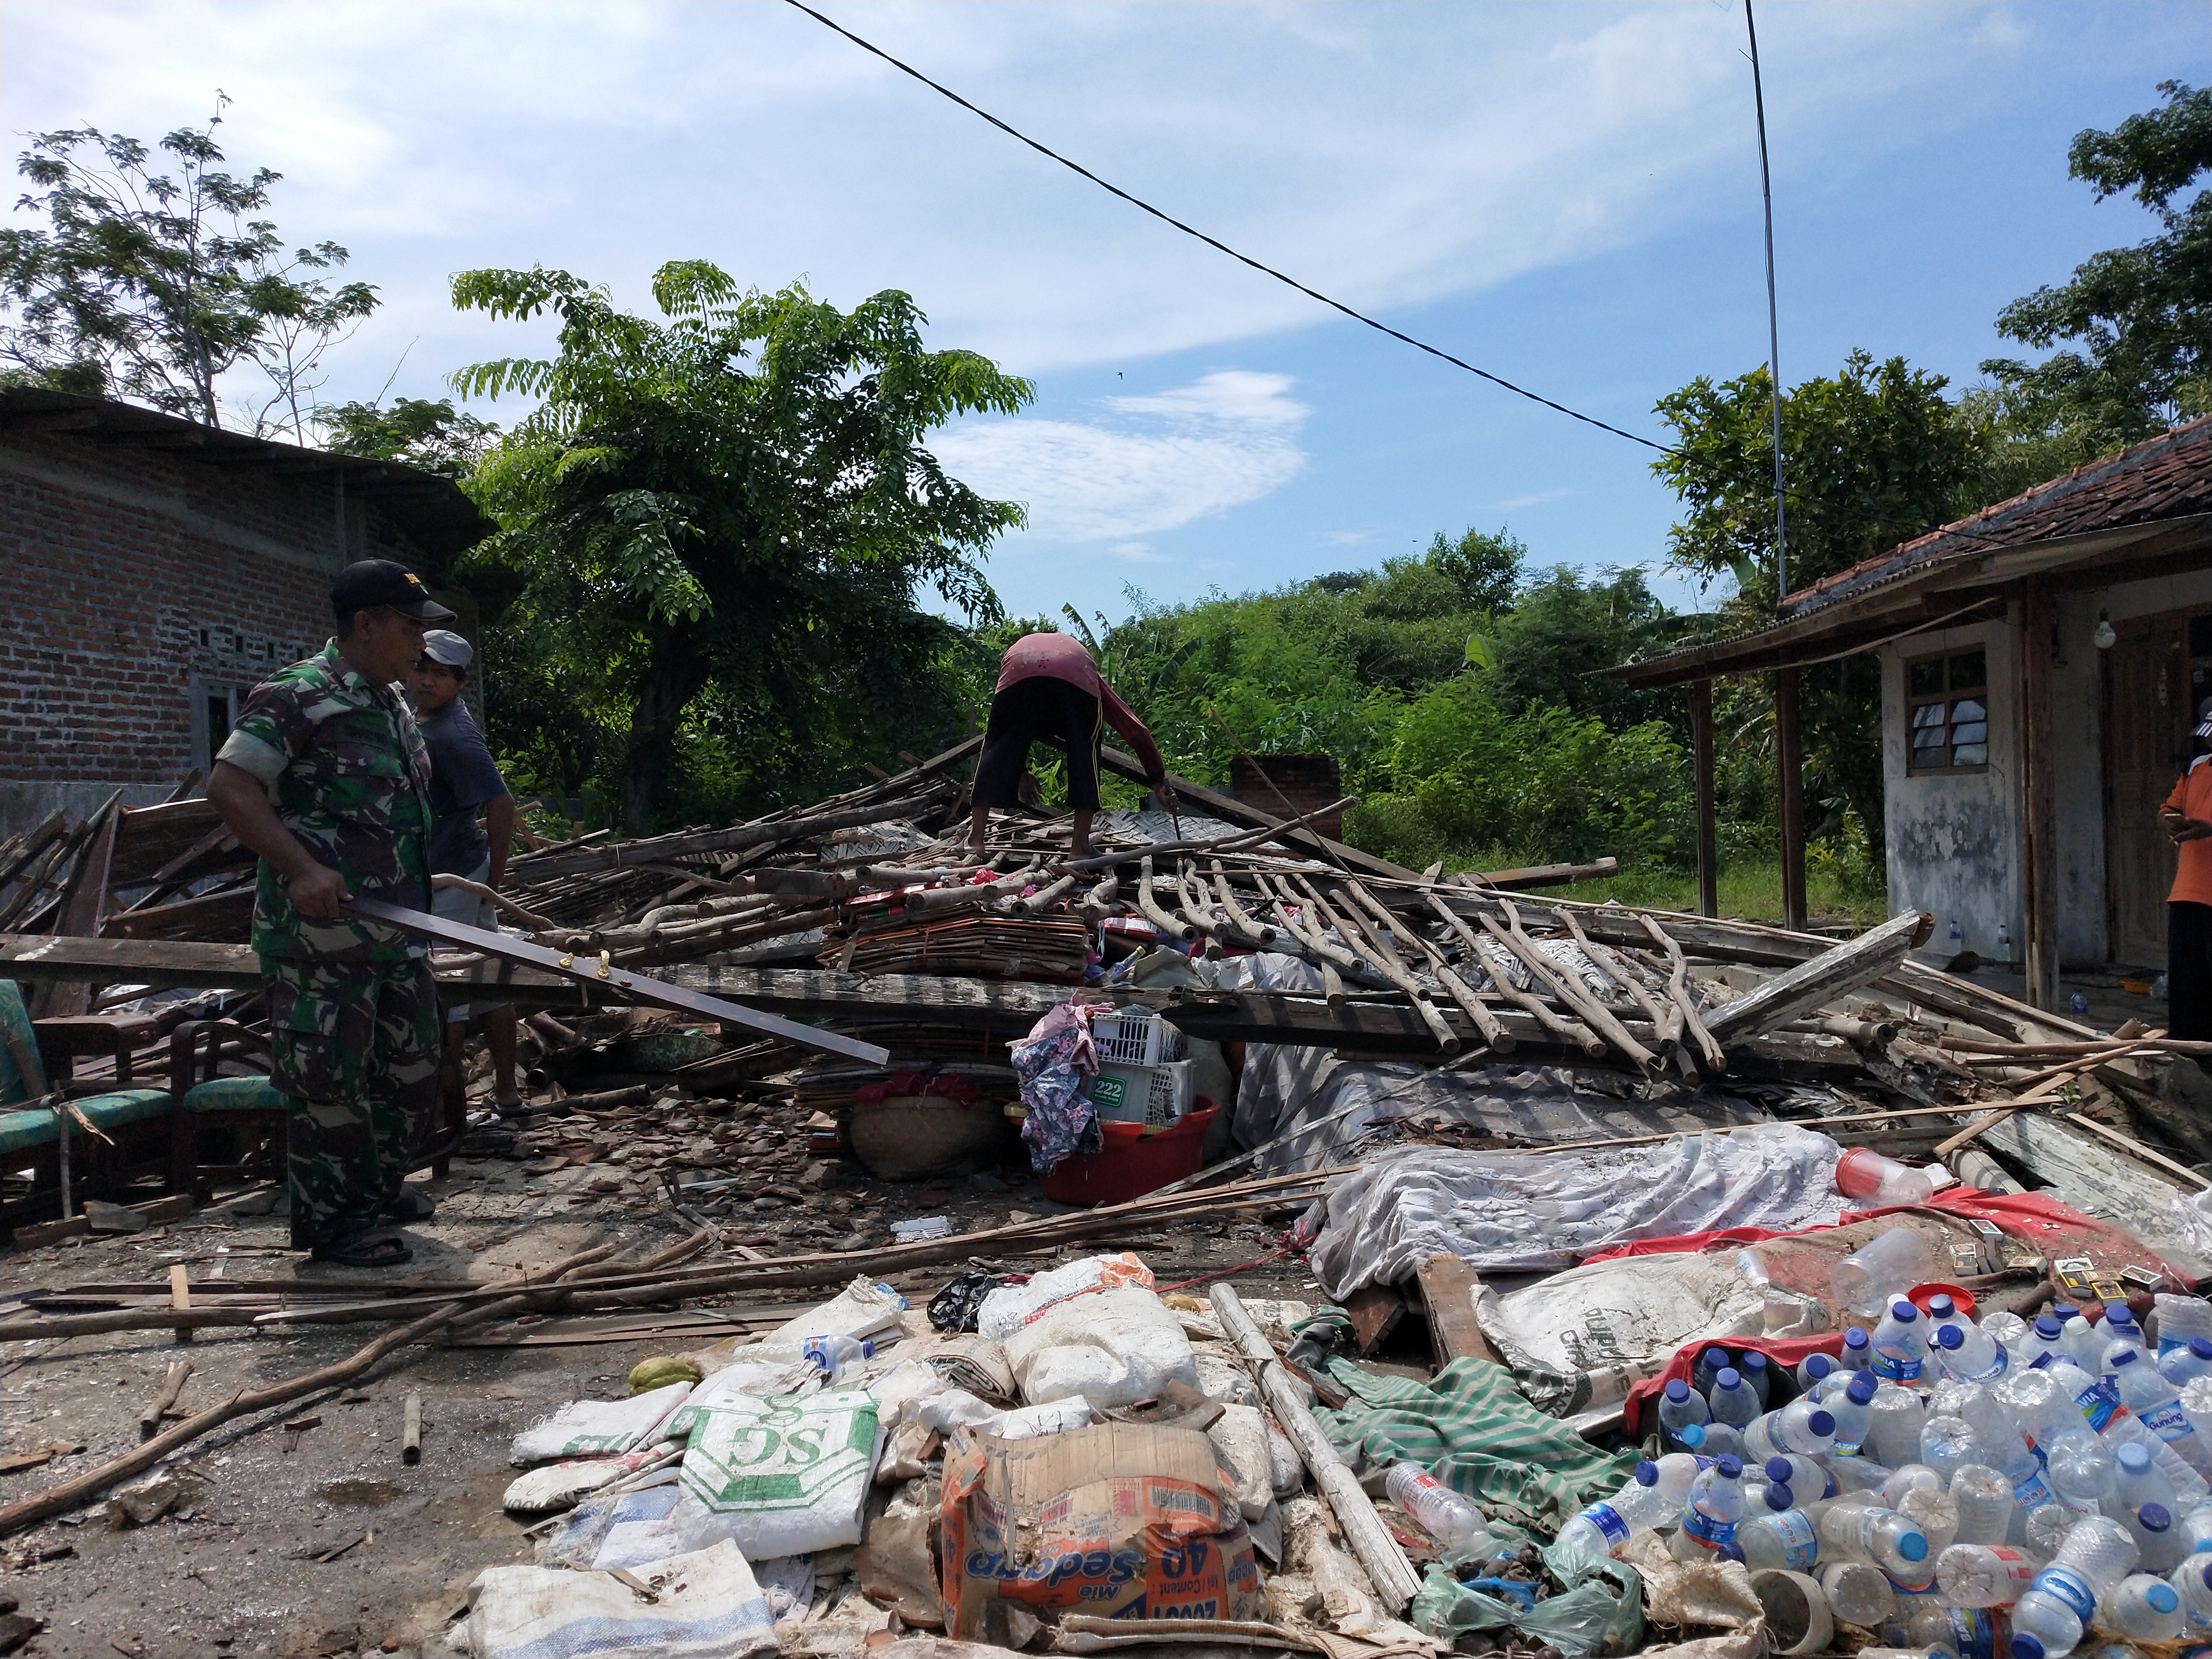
1515, 503
1227, 439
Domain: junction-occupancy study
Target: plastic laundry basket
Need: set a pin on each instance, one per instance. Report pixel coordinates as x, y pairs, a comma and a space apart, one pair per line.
1133, 1162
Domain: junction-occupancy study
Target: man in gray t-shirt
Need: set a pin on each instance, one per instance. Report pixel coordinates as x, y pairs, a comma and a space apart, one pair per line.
465, 779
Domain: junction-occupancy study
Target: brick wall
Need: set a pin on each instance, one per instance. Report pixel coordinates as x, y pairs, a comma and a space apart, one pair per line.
129, 578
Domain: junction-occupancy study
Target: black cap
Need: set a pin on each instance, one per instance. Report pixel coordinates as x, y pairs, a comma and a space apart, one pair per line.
369, 583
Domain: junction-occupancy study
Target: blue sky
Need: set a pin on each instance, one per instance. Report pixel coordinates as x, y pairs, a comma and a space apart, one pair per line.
1567, 195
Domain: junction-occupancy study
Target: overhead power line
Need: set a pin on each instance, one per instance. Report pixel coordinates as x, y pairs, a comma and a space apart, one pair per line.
1216, 244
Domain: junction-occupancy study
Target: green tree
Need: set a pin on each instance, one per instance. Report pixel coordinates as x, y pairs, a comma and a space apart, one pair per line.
431, 435
153, 285
2141, 317
1561, 631
720, 520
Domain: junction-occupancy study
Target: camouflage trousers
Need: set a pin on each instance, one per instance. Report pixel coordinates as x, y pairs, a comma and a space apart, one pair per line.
356, 1045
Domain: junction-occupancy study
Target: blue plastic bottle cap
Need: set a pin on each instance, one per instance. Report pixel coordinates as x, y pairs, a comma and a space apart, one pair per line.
1854, 1338
1728, 1468
1691, 1435
1728, 1378
1912, 1546
2025, 1647
2161, 1597
1821, 1423
1647, 1474
1950, 1336
1903, 1312
2201, 1346
1778, 1468
1940, 1307
1863, 1389
2047, 1328
1819, 1365
2128, 1357
1753, 1360
1729, 1552
2155, 1517
2133, 1458
2207, 1575
1714, 1357
1778, 1497
1677, 1391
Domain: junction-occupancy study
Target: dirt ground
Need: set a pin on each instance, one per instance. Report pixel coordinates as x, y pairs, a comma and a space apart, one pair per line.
323, 1542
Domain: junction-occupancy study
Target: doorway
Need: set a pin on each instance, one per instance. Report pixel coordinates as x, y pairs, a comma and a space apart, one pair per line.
2157, 673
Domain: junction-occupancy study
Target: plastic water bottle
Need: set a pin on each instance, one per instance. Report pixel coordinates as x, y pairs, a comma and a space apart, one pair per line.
1757, 1373
1813, 1369
2187, 1362
2143, 1607
2192, 1582
1986, 1504
1984, 1575
2051, 1615
2196, 1529
1731, 1398
1715, 1507
1677, 1471
1969, 1354
1930, 1508
2197, 1404
2120, 1327
2156, 1403
2159, 1547
1900, 1349
2083, 1339
1679, 1406
2046, 1336
2189, 1488
1857, 1593
1778, 1534
1879, 1182
2078, 1005
1857, 1351
2180, 1318
2081, 1472
2046, 1529
1853, 1410
1948, 1445
1712, 1440
1801, 1426
1856, 1474
1587, 1539
1893, 1427
1867, 1532
835, 1356
1442, 1513
1705, 1370
1802, 1474
2137, 1481
1910, 1478
2006, 1327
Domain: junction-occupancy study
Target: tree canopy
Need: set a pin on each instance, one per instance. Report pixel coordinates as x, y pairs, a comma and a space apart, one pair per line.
2139, 318
720, 523
154, 285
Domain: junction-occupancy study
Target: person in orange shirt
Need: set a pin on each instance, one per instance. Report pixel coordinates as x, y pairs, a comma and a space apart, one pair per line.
2187, 817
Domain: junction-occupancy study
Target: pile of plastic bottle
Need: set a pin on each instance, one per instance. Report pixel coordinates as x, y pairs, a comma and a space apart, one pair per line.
1976, 1489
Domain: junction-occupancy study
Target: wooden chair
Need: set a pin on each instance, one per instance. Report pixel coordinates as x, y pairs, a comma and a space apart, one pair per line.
116, 1129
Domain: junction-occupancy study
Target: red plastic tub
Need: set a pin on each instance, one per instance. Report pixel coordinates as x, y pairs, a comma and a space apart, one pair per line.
1133, 1162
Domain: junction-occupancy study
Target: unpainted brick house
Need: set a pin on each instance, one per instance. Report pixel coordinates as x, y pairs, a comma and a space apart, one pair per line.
153, 570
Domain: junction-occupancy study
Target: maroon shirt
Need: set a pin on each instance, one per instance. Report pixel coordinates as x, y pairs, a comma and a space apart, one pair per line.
1061, 657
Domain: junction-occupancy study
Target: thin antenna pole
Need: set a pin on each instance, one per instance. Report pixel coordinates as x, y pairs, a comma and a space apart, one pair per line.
1773, 325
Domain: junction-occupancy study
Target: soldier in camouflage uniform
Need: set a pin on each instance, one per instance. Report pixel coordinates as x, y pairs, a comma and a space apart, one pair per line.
326, 777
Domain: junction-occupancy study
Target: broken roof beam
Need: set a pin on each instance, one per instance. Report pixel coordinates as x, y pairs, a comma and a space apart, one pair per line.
1812, 984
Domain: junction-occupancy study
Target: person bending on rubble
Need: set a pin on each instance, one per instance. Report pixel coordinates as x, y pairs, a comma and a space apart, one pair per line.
326, 777
2187, 817
463, 778
1048, 688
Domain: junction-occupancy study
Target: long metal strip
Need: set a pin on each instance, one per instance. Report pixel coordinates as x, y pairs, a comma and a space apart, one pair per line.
599, 972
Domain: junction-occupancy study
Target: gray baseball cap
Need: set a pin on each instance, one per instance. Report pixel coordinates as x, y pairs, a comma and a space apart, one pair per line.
443, 644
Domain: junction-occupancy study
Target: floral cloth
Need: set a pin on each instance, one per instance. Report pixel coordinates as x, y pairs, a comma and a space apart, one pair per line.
1052, 1063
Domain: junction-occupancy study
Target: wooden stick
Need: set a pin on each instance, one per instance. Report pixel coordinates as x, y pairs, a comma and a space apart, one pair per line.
1552, 1019
1665, 1022
1386, 959
2043, 1050
2043, 1091
1568, 986
68, 1494
1151, 906
1678, 992
1392, 1576
410, 1429
1499, 1040
180, 1298
173, 1384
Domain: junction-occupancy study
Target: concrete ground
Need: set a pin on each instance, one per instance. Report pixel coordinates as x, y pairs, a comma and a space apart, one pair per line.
323, 1542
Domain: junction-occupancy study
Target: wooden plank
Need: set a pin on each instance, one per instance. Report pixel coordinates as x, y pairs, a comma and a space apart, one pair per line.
226, 914
180, 1298
621, 855
2038, 799
82, 902
1789, 770
1374, 1310
1701, 751
1448, 1290
2097, 1180
1801, 989
410, 1429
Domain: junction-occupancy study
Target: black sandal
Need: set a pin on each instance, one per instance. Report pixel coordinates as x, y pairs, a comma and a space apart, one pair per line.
411, 1205
373, 1247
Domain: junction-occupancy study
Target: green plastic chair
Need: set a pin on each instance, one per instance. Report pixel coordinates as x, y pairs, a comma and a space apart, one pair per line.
30, 1135
251, 1108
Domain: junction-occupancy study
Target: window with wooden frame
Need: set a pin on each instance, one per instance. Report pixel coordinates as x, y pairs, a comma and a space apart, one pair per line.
1947, 712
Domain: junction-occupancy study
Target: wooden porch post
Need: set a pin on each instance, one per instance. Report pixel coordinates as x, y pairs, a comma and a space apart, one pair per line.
1789, 766
1701, 749
2039, 863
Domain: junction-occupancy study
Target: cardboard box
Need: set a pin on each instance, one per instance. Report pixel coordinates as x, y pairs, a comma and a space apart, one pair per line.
1119, 1520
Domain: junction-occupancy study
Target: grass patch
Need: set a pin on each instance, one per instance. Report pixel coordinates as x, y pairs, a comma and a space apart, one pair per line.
1748, 892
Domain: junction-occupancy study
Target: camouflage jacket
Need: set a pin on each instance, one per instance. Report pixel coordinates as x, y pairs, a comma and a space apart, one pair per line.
347, 773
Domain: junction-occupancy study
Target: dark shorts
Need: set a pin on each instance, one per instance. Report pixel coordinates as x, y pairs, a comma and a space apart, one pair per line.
1040, 709
2188, 970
